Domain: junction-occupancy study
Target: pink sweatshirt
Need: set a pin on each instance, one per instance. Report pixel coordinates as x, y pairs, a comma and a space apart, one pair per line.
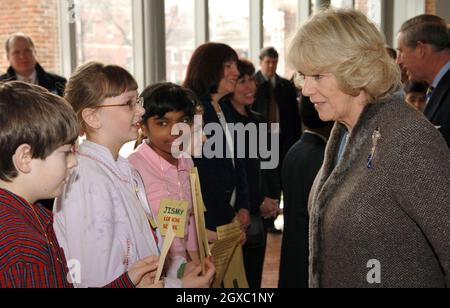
161, 182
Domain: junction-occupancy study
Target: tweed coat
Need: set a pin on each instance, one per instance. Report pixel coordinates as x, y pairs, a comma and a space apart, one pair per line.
393, 209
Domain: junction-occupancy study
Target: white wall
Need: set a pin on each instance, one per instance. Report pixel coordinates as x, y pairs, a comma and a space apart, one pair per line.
443, 9
404, 10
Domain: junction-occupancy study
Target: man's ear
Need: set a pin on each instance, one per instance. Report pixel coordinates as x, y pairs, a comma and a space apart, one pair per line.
22, 159
91, 118
422, 49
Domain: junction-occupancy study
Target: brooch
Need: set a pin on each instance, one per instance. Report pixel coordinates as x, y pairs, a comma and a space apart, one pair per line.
375, 139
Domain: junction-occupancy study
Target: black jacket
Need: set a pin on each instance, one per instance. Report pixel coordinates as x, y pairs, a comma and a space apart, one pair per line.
438, 108
300, 169
252, 165
219, 178
287, 98
53, 83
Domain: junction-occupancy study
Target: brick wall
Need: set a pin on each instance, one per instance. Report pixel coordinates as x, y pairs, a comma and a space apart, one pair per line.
40, 20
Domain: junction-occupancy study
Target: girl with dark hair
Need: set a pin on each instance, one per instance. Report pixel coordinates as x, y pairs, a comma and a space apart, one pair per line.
165, 176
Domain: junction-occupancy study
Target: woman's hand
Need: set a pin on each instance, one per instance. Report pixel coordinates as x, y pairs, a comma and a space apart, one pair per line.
243, 217
193, 278
270, 208
142, 274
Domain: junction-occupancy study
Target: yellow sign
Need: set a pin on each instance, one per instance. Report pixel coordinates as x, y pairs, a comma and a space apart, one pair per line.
227, 253
173, 212
165, 251
223, 251
199, 213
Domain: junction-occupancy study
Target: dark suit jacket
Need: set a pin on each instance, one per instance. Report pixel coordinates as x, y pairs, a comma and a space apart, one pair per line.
53, 83
438, 108
219, 178
287, 98
252, 165
300, 169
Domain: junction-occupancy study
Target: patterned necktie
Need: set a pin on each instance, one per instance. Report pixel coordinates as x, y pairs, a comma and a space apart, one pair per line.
429, 93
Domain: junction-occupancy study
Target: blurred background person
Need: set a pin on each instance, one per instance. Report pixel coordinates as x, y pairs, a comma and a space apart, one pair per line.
277, 101
300, 168
260, 206
424, 52
21, 54
416, 94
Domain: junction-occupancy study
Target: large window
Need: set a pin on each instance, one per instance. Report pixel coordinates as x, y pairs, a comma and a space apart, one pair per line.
180, 37
230, 24
40, 20
372, 8
105, 32
280, 24
342, 3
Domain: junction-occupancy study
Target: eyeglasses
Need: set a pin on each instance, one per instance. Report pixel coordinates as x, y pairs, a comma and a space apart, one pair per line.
132, 104
300, 79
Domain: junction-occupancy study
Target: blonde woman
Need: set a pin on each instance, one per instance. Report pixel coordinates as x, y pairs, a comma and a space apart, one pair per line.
380, 205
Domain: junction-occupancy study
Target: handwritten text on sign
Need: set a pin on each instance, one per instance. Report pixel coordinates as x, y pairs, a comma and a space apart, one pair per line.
175, 212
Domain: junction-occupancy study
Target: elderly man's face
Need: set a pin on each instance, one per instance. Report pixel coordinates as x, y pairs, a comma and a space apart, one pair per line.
21, 57
409, 60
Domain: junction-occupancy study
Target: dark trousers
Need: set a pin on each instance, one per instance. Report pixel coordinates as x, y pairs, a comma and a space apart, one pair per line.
254, 265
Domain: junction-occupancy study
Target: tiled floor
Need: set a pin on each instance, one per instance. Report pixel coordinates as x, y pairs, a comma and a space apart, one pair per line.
272, 263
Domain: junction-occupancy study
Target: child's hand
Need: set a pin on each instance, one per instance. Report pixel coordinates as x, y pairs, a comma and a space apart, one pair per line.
212, 236
193, 278
142, 274
148, 285
191, 267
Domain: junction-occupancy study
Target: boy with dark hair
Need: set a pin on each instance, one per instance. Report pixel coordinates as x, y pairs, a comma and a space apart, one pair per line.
416, 94
38, 132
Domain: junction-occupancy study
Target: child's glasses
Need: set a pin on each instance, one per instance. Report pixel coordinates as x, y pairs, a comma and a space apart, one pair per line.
132, 104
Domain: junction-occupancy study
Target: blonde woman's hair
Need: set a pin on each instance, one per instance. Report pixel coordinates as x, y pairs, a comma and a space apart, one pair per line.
345, 43
94, 82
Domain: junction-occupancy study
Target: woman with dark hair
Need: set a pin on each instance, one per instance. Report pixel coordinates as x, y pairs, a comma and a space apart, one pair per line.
240, 104
212, 74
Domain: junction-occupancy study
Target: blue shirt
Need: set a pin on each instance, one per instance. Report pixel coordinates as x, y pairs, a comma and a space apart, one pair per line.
441, 75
